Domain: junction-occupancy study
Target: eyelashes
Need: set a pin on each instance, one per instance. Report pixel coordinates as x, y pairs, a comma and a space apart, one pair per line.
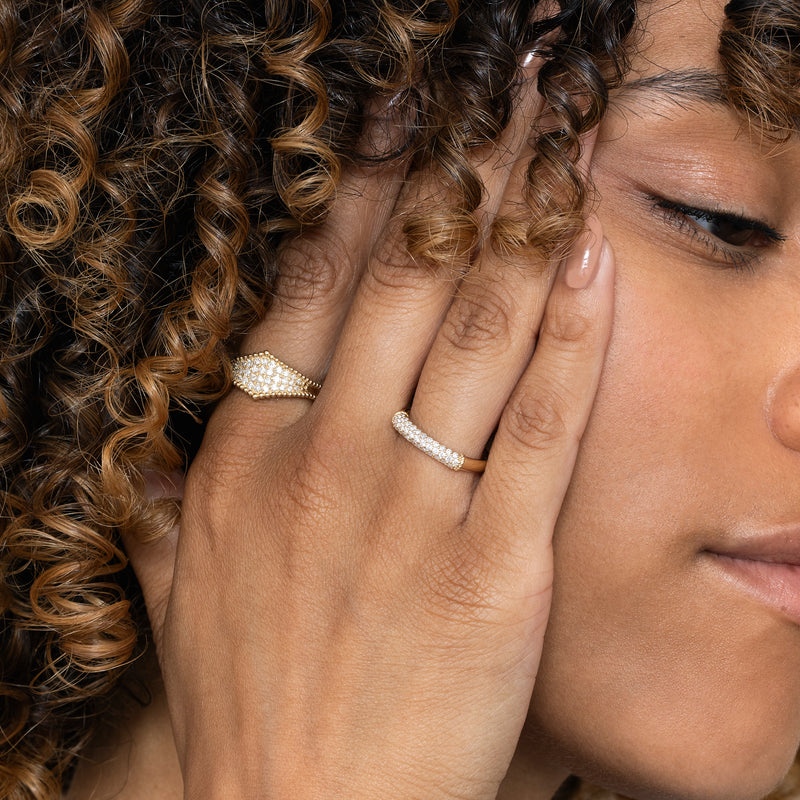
732, 238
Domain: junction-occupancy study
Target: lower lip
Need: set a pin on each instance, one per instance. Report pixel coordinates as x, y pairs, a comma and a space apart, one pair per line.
774, 584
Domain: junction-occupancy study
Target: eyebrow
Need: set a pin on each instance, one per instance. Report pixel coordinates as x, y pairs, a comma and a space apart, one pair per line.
685, 87
681, 87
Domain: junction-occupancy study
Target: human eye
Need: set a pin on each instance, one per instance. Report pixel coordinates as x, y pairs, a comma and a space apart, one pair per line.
729, 237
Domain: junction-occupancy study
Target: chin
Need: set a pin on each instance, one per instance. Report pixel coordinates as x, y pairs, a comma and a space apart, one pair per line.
724, 781
687, 767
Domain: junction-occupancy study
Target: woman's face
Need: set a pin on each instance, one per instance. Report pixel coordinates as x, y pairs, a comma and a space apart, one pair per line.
669, 669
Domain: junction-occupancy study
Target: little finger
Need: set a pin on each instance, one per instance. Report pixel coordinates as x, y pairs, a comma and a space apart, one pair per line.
536, 444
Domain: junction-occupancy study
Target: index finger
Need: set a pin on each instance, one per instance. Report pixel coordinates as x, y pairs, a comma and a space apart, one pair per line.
319, 267
318, 271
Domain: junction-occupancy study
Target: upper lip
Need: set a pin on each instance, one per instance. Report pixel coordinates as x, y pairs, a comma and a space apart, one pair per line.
780, 546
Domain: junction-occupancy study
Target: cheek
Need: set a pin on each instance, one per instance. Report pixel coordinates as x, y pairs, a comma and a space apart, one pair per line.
643, 674
658, 404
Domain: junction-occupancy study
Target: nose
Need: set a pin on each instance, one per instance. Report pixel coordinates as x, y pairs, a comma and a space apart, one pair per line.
785, 410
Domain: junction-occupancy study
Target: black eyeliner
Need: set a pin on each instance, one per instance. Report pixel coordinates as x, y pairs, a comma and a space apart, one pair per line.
729, 217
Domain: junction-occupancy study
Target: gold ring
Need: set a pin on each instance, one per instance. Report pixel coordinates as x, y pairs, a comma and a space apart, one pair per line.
444, 455
262, 375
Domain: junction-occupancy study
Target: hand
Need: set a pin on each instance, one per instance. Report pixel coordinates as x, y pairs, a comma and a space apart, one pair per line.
346, 616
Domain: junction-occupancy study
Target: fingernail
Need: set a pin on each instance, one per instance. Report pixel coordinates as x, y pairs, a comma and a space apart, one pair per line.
581, 264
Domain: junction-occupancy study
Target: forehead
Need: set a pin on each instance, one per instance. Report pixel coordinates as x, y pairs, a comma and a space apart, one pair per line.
678, 35
675, 57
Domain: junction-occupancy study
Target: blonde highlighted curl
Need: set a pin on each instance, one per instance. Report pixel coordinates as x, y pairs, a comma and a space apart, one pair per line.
152, 154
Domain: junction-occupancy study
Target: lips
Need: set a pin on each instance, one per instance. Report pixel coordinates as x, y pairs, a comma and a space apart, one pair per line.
767, 567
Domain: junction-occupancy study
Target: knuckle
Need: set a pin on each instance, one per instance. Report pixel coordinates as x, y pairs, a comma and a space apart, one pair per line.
456, 583
472, 578
293, 478
535, 418
312, 485
567, 325
313, 270
209, 506
477, 319
303, 502
221, 464
391, 269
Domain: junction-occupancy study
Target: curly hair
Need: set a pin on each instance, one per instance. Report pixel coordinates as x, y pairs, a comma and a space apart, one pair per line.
152, 155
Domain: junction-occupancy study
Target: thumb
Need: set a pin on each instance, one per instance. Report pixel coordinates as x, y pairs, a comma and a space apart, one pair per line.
154, 561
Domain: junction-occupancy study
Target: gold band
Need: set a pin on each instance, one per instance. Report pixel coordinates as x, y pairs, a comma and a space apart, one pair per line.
444, 455
262, 375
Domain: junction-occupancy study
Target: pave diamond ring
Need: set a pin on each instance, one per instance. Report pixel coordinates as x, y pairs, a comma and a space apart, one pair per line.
262, 375
450, 458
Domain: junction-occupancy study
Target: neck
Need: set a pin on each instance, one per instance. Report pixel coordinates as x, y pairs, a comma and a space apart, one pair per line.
136, 761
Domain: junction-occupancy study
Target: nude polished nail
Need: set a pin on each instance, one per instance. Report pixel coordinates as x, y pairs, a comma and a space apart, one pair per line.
581, 264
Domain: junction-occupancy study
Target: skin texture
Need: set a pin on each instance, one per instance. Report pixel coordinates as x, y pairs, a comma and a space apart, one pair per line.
346, 617
660, 673
395, 631
398, 598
